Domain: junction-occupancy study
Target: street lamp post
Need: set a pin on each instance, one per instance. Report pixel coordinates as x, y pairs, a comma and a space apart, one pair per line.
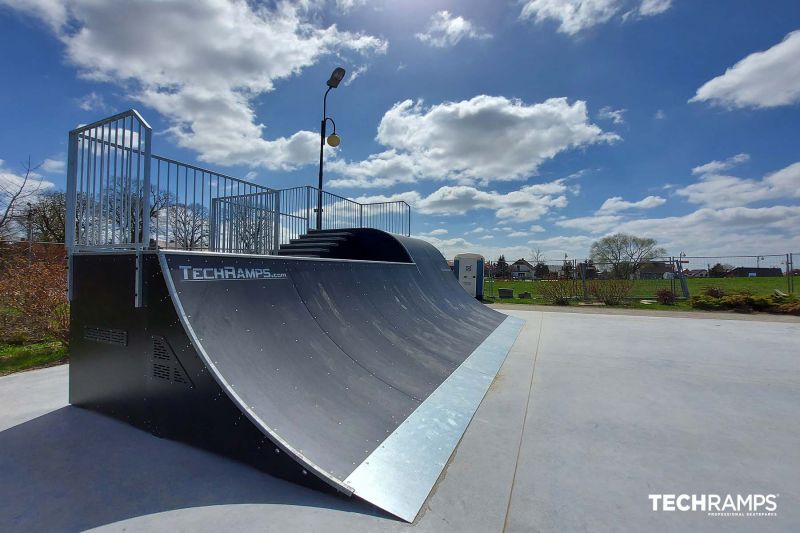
333, 140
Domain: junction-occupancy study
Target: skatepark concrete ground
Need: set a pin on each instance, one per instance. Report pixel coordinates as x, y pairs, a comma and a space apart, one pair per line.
590, 414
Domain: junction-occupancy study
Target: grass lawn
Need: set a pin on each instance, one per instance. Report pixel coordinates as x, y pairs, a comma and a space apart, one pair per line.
646, 289
17, 357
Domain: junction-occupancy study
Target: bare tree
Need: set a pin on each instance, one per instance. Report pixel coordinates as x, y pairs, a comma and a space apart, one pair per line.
47, 216
14, 193
189, 226
128, 208
537, 257
624, 253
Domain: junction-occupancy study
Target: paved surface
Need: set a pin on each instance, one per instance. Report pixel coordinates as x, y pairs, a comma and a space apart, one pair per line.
589, 415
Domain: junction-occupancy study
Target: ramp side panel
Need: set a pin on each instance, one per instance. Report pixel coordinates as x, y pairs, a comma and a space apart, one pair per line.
270, 355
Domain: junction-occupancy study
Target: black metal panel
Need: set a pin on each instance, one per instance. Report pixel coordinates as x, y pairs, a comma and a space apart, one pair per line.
273, 355
249, 356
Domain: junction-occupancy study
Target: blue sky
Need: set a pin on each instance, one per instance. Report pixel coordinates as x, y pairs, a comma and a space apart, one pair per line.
509, 126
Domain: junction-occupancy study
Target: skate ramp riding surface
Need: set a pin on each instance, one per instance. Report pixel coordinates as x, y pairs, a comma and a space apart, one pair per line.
366, 373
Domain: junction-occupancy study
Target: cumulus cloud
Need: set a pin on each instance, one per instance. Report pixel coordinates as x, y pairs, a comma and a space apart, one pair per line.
763, 79
478, 140
574, 16
616, 204
446, 30
53, 165
201, 64
715, 166
93, 102
528, 203
617, 116
716, 190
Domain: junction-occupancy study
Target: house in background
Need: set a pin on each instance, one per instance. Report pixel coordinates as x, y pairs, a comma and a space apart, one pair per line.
655, 270
521, 269
754, 272
696, 273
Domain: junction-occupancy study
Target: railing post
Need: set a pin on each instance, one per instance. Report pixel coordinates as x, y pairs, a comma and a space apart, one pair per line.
308, 207
276, 223
583, 280
148, 137
360, 215
70, 226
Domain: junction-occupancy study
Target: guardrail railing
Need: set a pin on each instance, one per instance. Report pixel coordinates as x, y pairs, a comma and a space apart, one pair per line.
122, 196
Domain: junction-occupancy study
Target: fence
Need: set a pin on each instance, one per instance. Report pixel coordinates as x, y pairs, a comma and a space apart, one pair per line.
123, 196
683, 275
590, 278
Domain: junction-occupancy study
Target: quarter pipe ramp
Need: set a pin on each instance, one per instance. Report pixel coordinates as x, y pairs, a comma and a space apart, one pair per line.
340, 373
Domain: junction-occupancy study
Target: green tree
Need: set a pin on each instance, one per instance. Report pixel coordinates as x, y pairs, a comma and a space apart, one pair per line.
624, 253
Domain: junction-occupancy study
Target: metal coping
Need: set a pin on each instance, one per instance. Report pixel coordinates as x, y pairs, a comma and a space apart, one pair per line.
399, 474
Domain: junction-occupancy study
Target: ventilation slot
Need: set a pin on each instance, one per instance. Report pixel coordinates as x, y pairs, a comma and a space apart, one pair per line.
166, 366
118, 337
161, 371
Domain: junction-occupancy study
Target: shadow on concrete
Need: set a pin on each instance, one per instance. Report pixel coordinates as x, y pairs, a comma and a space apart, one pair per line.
72, 469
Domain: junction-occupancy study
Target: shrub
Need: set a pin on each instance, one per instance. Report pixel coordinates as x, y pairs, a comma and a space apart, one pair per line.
611, 291
713, 292
33, 301
665, 296
558, 292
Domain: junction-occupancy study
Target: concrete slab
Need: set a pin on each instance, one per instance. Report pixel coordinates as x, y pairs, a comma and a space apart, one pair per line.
624, 407
620, 407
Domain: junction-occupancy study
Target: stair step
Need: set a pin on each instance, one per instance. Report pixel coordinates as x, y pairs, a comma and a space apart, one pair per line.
307, 245
300, 251
335, 232
317, 238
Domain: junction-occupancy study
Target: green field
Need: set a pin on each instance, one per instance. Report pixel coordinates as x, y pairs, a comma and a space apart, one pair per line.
16, 357
646, 289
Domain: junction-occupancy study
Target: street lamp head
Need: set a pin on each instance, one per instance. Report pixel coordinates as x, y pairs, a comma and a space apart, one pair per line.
334, 140
336, 77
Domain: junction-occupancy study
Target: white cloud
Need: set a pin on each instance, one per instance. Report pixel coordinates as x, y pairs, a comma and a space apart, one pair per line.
715, 166
654, 7
479, 229
594, 223
715, 190
446, 30
51, 12
486, 237
456, 245
763, 79
12, 181
616, 204
54, 165
438, 231
93, 102
614, 115
355, 74
201, 64
346, 5
660, 115
536, 228
574, 16
518, 234
727, 231
478, 140
554, 248
528, 203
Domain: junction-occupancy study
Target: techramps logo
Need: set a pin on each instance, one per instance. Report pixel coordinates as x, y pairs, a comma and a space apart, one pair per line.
719, 505
228, 273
